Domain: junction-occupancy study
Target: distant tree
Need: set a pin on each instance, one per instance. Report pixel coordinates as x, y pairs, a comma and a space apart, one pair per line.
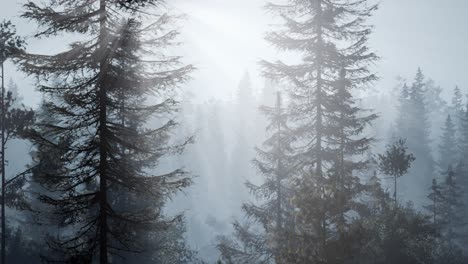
272, 211
448, 154
437, 199
418, 139
457, 102
413, 125
395, 162
91, 88
13, 88
453, 220
244, 97
403, 119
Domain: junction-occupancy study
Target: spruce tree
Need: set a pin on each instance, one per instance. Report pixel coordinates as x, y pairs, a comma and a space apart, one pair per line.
448, 154
10, 45
418, 139
331, 38
403, 120
272, 211
346, 127
243, 126
462, 165
457, 103
435, 207
414, 126
114, 75
453, 220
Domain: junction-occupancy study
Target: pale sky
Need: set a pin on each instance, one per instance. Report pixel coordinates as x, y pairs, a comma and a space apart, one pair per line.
224, 38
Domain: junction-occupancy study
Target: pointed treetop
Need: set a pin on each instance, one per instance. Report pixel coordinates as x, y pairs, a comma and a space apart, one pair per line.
448, 120
450, 176
405, 89
457, 99
418, 79
244, 93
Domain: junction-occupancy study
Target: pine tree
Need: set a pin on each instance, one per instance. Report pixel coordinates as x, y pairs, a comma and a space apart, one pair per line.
448, 154
457, 102
414, 126
346, 126
13, 88
10, 45
403, 120
437, 199
331, 38
453, 221
462, 165
94, 86
272, 211
395, 163
418, 140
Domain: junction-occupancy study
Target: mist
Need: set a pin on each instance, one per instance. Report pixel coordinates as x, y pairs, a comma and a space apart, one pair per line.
235, 134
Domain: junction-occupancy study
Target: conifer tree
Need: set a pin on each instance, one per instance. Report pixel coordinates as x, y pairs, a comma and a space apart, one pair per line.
272, 211
86, 85
403, 120
242, 152
331, 38
462, 165
346, 126
10, 45
418, 139
448, 154
457, 102
414, 126
437, 199
453, 218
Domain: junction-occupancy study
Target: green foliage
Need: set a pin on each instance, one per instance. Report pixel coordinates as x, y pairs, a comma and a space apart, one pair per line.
396, 161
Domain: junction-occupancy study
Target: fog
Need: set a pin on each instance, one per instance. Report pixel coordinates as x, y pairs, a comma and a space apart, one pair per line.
225, 41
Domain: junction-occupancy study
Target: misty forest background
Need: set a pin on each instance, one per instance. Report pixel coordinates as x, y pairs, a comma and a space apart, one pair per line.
111, 155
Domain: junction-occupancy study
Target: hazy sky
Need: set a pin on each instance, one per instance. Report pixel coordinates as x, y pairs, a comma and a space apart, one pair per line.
223, 38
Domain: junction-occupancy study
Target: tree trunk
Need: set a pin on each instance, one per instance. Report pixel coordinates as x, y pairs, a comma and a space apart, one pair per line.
102, 93
3, 167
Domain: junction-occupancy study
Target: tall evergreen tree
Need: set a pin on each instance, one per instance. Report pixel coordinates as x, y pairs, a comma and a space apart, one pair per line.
436, 197
462, 165
10, 45
331, 38
453, 219
403, 120
272, 211
457, 102
107, 157
348, 149
447, 211
448, 154
414, 126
